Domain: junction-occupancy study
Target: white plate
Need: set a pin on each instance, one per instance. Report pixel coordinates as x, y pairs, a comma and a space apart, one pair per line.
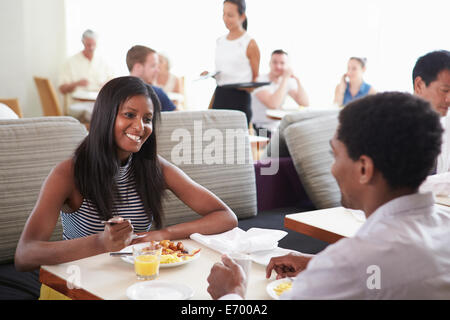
263, 257
130, 259
271, 286
159, 290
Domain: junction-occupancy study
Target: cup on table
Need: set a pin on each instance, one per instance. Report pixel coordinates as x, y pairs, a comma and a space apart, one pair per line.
146, 262
244, 261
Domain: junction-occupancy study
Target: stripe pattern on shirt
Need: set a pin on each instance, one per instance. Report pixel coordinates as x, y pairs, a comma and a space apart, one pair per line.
85, 221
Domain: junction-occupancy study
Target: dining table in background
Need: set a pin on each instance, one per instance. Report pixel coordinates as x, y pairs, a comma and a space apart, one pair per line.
84, 96
278, 114
329, 225
106, 277
333, 224
176, 98
83, 104
442, 200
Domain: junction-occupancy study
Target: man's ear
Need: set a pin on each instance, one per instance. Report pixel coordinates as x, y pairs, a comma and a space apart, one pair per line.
366, 169
137, 68
419, 85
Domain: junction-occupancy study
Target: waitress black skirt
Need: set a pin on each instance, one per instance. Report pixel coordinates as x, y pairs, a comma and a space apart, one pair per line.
233, 99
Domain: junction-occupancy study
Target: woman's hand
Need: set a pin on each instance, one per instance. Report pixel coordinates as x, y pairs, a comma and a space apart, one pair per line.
343, 84
339, 92
117, 234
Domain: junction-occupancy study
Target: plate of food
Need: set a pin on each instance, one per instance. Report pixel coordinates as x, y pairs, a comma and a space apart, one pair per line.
277, 287
172, 253
159, 290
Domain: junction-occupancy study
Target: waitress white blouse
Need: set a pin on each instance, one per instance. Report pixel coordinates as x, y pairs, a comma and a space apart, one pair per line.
232, 61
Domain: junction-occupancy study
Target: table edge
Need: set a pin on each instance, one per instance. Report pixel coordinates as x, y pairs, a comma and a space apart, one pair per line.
311, 231
56, 283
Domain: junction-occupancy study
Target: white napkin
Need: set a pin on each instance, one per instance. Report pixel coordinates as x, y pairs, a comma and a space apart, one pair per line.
238, 240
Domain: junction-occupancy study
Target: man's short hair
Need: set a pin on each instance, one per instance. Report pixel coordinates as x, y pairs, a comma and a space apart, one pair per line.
279, 51
430, 65
137, 54
88, 34
400, 133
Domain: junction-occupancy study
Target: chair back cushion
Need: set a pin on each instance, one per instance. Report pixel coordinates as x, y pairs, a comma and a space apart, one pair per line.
30, 148
278, 140
204, 145
309, 146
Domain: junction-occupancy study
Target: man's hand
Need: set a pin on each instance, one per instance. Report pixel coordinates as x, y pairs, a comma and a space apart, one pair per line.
288, 73
70, 87
289, 265
226, 277
82, 83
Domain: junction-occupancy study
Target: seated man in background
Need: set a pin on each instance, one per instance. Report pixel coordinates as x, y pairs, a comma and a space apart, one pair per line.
283, 82
84, 71
431, 80
384, 147
143, 62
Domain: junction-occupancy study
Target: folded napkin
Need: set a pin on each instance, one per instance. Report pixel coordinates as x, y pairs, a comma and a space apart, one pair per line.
238, 240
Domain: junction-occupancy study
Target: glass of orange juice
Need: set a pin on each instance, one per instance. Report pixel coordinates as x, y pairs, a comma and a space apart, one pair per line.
146, 262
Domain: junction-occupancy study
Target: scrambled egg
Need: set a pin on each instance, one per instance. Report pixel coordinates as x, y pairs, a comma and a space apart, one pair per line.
170, 258
282, 287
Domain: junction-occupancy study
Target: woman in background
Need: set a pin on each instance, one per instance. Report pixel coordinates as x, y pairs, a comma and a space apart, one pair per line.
354, 87
169, 82
237, 60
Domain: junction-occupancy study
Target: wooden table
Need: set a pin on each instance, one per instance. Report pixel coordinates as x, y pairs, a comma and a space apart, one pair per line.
277, 114
442, 200
106, 277
333, 224
328, 225
85, 96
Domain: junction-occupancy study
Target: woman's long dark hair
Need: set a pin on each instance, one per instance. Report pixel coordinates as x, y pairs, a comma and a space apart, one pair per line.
96, 162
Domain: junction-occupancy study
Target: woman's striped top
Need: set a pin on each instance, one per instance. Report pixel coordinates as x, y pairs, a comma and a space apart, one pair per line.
86, 221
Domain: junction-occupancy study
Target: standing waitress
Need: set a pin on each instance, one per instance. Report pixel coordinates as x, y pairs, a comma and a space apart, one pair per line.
237, 60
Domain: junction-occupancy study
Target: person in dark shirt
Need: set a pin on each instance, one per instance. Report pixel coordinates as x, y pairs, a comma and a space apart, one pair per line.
142, 62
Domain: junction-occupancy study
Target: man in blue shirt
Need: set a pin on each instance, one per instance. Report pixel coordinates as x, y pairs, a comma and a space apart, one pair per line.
143, 63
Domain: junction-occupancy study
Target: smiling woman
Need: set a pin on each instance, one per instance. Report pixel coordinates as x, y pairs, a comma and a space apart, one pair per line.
115, 175
133, 125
